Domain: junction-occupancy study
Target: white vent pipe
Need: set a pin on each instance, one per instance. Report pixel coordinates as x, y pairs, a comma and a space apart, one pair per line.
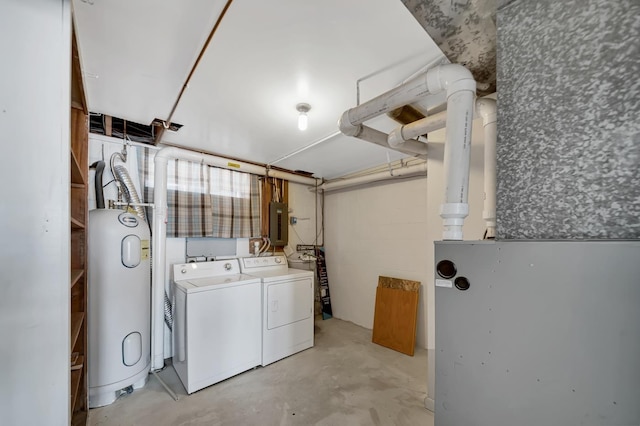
406, 171
159, 236
413, 147
460, 88
401, 135
487, 109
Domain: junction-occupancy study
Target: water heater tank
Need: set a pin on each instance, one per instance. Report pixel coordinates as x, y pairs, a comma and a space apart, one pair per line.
119, 304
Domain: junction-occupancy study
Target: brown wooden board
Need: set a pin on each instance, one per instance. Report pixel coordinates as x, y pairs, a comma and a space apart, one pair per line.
396, 313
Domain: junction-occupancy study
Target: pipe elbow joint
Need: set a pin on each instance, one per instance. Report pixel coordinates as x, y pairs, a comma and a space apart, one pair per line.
451, 77
488, 110
345, 126
395, 139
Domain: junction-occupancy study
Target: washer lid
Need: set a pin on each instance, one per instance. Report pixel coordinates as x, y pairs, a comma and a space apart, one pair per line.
214, 283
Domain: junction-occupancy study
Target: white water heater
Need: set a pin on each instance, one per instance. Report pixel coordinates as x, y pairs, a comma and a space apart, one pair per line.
119, 304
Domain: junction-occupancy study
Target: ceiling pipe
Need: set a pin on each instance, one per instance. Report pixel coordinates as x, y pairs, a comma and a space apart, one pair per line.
405, 171
402, 135
413, 148
159, 236
460, 87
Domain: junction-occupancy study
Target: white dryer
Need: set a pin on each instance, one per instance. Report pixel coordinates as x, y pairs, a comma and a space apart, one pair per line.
217, 322
287, 306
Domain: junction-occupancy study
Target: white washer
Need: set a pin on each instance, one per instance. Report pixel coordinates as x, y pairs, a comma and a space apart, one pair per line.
217, 322
287, 306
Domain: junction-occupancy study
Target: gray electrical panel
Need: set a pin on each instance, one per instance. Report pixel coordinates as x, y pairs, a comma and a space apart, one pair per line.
537, 333
278, 224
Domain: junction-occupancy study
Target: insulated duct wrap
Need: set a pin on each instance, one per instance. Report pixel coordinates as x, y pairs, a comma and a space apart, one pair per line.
128, 189
168, 312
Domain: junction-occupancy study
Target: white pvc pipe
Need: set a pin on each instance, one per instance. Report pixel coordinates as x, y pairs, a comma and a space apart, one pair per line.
487, 109
457, 154
414, 170
451, 78
402, 134
460, 87
414, 148
159, 236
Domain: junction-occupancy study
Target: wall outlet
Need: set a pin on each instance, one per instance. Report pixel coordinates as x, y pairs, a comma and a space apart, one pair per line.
251, 243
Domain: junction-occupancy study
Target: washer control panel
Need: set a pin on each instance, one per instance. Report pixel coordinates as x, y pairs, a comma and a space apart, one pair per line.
183, 271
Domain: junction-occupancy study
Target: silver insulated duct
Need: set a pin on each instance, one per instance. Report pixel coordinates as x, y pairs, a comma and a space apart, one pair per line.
124, 182
130, 194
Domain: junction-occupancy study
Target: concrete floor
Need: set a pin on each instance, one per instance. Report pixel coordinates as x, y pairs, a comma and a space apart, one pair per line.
344, 380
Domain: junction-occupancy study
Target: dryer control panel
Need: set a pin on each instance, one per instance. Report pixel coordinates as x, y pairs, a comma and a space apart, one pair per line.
256, 264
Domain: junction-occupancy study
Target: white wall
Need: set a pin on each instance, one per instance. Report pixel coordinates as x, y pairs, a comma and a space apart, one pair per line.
303, 205
379, 229
34, 254
389, 229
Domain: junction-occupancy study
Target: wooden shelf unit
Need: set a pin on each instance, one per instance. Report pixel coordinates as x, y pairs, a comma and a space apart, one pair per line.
76, 274
78, 402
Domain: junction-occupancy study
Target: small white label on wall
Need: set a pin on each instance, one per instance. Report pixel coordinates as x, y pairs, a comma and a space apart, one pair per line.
444, 283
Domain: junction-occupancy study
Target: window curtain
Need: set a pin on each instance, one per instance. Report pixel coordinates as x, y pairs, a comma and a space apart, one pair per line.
204, 201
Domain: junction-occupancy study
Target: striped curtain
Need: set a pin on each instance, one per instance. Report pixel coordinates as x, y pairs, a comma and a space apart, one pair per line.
235, 199
204, 201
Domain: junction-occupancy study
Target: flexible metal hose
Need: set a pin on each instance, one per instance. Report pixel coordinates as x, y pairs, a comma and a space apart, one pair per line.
128, 189
168, 314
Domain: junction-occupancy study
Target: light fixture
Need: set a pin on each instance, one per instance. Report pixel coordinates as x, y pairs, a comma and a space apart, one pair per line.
303, 120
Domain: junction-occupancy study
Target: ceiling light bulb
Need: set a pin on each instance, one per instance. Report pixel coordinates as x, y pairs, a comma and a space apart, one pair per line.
303, 119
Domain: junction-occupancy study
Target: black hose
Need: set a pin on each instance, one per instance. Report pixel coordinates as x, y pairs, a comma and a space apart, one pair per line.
99, 166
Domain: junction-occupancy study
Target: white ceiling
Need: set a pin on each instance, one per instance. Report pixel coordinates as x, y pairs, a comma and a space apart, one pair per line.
266, 57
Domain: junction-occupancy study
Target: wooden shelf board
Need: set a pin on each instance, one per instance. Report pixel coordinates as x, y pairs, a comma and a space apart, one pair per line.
76, 375
76, 171
76, 274
76, 325
78, 364
76, 224
77, 185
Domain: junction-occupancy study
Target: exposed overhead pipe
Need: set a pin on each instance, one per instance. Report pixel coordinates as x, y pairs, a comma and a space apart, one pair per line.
160, 228
405, 171
401, 135
460, 87
413, 148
